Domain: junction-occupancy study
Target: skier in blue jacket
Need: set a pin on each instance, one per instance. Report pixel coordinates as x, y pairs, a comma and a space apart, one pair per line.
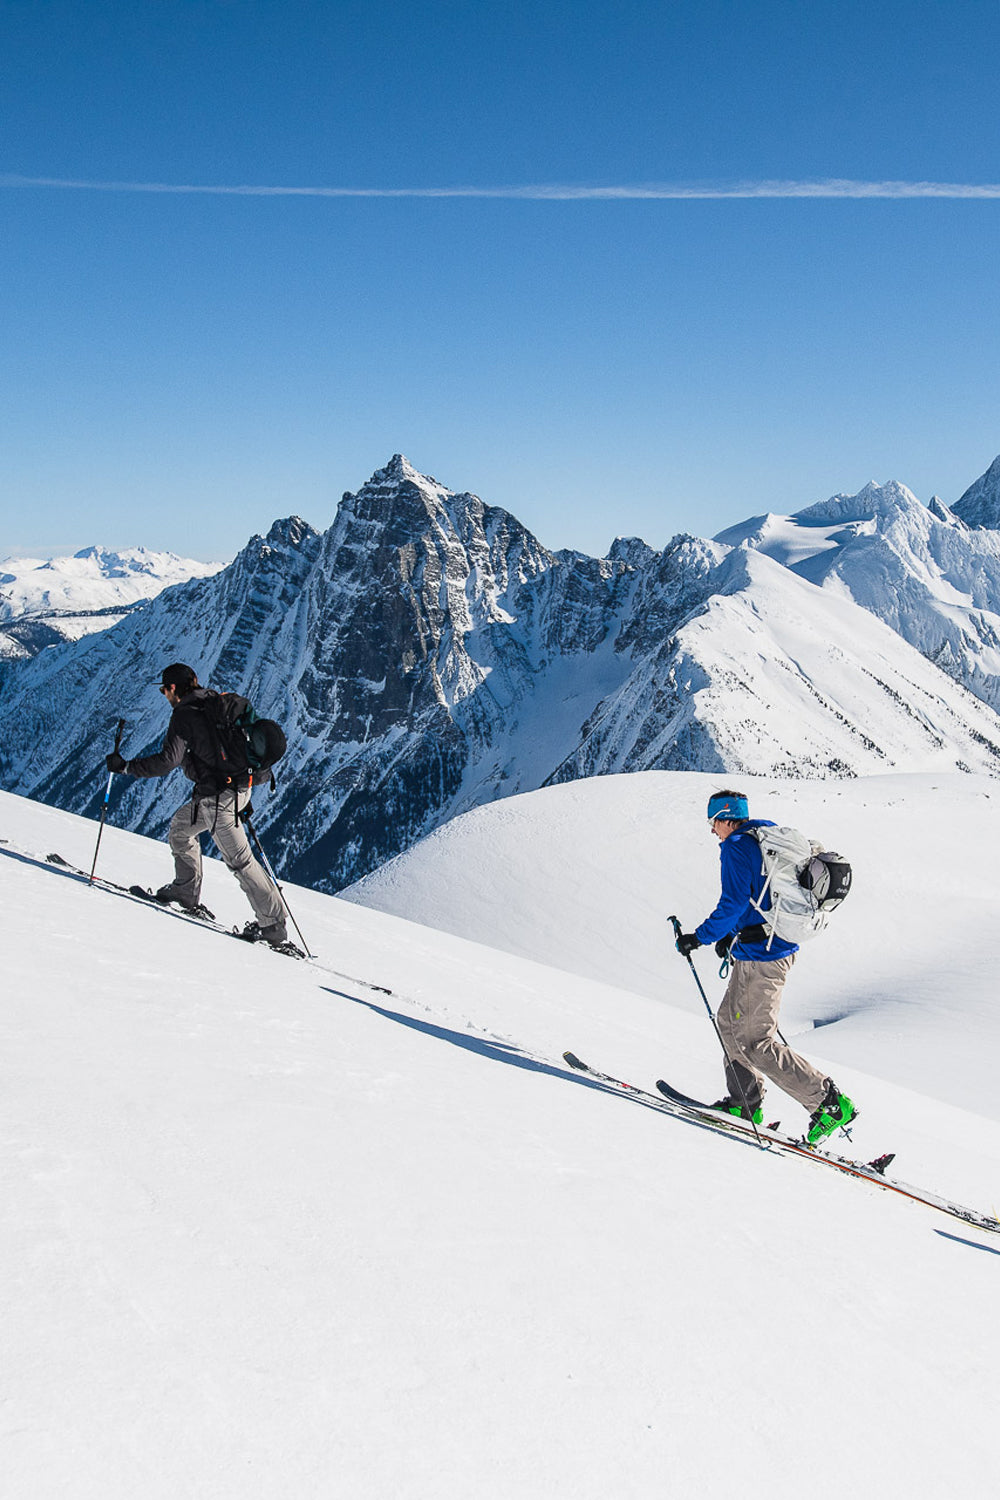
748, 1015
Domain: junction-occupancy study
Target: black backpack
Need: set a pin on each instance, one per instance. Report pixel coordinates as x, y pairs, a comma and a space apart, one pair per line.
246, 746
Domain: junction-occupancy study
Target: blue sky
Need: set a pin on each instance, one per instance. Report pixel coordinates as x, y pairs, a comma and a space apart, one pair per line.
182, 367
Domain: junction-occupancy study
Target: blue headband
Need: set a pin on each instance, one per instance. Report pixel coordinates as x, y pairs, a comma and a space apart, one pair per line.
733, 809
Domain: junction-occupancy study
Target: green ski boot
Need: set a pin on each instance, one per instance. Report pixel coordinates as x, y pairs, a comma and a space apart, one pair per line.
835, 1112
737, 1108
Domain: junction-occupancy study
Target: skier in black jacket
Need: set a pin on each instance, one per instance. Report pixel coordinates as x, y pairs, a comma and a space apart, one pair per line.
192, 743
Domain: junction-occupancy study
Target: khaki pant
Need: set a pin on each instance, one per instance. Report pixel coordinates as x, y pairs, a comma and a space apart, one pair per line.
748, 1024
220, 820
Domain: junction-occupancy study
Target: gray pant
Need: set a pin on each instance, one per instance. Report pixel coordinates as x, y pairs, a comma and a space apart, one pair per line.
748, 1024
220, 820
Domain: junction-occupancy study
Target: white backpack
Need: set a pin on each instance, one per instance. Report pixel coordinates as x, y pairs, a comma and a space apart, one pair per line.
804, 881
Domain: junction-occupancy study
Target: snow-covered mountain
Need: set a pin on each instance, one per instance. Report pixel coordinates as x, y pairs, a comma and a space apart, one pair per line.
426, 655
270, 1234
46, 600
931, 573
769, 675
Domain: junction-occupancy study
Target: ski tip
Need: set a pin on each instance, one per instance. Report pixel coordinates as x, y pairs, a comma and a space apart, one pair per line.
574, 1061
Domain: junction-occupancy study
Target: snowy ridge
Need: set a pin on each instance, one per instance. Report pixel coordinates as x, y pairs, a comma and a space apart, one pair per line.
270, 1234
772, 677
919, 568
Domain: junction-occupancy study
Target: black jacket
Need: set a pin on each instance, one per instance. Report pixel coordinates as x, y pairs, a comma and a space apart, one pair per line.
191, 743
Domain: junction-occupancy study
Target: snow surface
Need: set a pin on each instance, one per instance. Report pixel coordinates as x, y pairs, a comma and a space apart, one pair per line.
268, 1233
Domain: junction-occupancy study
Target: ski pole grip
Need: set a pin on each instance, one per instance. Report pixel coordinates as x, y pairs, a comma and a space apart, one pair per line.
118, 734
675, 922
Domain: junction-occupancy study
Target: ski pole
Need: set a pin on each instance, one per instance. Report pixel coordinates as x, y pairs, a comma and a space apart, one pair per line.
715, 1027
245, 817
107, 793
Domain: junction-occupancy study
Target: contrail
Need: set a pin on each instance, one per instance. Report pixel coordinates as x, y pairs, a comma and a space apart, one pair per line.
833, 187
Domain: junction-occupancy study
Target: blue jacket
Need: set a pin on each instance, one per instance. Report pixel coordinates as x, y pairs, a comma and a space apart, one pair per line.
742, 878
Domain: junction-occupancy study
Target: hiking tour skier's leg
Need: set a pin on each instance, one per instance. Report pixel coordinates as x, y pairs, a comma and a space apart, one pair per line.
748, 1024
185, 826
231, 840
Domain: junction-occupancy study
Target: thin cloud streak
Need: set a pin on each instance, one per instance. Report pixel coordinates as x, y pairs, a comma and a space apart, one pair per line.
834, 187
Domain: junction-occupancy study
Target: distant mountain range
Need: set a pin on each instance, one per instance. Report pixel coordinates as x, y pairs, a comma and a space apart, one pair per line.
47, 600
426, 654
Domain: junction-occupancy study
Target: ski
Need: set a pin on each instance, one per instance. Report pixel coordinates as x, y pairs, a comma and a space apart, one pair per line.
204, 918
699, 1107
688, 1103
682, 1106
582, 1067
724, 1124
144, 894
202, 914
679, 1098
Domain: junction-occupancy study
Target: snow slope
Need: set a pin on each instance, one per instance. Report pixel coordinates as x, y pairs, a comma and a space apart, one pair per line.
583, 876
268, 1233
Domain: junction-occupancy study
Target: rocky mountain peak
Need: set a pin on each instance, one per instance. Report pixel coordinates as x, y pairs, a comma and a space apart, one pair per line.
941, 512
290, 532
980, 505
397, 500
399, 474
399, 468
631, 550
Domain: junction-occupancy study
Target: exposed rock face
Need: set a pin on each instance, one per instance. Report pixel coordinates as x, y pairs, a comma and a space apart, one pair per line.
980, 505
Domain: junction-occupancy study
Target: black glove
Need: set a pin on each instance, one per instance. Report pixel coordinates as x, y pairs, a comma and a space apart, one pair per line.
723, 945
687, 943
115, 762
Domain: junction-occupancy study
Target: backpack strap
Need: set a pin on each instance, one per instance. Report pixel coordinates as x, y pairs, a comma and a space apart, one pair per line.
757, 905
